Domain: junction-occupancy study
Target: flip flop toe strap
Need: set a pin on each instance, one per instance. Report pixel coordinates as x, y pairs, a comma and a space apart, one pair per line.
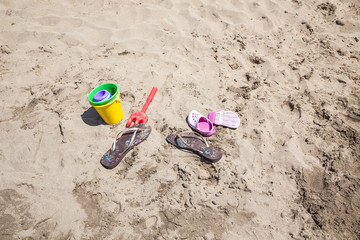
140, 133
135, 129
203, 149
192, 134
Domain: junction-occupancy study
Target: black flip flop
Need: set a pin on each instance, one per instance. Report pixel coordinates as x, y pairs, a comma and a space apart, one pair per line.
196, 143
123, 143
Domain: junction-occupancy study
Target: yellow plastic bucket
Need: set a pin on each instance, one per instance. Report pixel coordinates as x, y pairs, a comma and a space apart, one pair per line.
110, 111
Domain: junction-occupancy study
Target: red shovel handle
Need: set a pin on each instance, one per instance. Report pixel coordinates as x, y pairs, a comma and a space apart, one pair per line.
149, 99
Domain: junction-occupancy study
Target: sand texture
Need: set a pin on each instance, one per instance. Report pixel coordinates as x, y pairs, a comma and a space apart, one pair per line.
289, 69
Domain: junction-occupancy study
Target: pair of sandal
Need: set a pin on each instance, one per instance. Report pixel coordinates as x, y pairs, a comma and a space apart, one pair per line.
130, 137
205, 125
192, 141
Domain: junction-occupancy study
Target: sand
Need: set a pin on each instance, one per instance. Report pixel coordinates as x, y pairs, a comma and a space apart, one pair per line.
289, 69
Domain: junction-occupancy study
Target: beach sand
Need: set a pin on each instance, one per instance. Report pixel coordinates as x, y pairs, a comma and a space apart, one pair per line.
289, 69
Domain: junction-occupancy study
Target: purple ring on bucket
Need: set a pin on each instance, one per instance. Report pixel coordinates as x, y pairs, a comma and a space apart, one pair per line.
102, 96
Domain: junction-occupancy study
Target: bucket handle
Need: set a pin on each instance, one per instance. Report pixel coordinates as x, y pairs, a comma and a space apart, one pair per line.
118, 98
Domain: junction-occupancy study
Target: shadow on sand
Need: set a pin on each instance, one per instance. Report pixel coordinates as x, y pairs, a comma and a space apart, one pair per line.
92, 118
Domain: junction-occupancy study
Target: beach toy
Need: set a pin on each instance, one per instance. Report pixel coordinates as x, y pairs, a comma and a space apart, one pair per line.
141, 117
102, 95
112, 88
109, 109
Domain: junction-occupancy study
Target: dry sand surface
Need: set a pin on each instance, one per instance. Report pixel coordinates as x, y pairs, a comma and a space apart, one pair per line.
289, 69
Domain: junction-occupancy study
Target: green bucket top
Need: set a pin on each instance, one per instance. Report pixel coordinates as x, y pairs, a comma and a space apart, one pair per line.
112, 88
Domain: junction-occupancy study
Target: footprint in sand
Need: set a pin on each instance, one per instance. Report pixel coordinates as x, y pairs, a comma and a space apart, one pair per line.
58, 21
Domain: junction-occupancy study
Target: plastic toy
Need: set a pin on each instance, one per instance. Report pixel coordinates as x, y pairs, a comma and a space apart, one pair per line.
141, 117
102, 96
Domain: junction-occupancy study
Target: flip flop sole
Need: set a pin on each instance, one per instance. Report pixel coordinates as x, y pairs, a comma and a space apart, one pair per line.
194, 144
123, 145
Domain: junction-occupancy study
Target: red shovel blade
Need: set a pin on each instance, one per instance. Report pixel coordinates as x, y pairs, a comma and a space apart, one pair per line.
141, 117
137, 117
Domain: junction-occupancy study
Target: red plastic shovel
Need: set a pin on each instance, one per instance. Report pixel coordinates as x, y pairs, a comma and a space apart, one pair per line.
141, 117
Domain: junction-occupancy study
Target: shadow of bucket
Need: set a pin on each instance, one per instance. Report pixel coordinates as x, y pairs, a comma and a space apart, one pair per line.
110, 110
